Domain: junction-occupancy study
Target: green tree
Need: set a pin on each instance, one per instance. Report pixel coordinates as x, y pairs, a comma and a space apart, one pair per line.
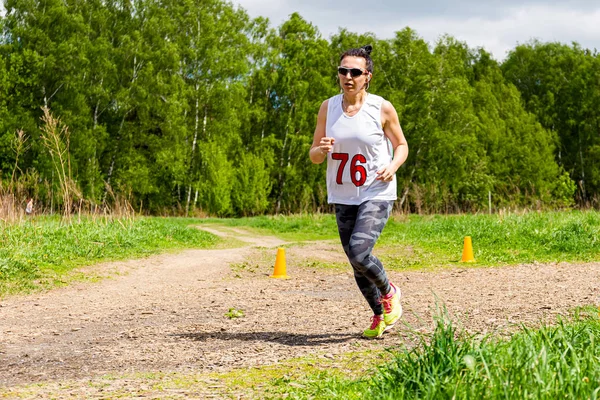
251, 187
296, 80
182, 105
44, 66
213, 42
404, 74
558, 84
520, 151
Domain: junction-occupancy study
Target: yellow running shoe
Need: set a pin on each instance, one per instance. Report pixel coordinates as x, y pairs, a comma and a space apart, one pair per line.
376, 329
392, 310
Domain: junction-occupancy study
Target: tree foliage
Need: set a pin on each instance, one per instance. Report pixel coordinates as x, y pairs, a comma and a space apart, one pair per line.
190, 107
560, 84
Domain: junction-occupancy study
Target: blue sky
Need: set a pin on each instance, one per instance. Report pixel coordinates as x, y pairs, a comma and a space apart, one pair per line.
497, 26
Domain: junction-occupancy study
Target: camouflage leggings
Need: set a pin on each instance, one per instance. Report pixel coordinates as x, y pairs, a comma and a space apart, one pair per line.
359, 228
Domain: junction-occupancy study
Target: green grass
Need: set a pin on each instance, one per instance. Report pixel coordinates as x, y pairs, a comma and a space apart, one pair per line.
433, 241
289, 227
561, 361
509, 239
40, 254
558, 361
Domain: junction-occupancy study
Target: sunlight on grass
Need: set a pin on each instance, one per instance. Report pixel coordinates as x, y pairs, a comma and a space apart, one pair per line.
40, 254
431, 241
560, 361
268, 381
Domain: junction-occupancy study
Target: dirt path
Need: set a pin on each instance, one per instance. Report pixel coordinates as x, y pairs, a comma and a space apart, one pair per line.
168, 313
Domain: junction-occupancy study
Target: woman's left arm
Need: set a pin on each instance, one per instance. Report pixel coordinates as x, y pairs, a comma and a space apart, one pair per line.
393, 131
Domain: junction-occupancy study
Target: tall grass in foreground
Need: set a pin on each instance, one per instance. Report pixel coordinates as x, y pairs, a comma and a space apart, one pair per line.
551, 362
38, 253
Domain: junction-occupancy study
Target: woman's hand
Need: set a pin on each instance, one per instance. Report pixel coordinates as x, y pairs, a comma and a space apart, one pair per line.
386, 174
326, 144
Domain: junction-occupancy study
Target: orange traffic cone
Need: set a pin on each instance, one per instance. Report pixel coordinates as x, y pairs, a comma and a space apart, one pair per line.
467, 255
279, 271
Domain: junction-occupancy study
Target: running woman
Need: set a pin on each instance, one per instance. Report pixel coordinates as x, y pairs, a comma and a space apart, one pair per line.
360, 136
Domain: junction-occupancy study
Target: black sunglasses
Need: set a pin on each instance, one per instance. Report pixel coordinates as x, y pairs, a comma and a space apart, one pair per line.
354, 72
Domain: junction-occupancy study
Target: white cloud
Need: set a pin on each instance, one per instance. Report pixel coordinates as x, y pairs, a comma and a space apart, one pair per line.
496, 26
548, 24
276, 10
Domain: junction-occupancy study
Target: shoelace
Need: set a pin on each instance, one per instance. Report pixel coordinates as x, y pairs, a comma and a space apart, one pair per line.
387, 304
375, 320
386, 301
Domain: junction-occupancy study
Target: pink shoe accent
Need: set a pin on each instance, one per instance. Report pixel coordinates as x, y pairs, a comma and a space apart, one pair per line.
375, 320
386, 300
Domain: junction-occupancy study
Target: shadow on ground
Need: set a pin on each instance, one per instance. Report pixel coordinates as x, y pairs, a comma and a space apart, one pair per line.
284, 338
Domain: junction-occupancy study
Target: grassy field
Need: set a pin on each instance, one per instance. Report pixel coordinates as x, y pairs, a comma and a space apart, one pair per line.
433, 241
561, 361
41, 254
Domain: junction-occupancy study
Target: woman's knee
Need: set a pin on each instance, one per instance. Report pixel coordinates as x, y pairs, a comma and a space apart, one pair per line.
359, 257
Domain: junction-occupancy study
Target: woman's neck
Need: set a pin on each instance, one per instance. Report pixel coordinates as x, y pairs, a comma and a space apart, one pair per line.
354, 99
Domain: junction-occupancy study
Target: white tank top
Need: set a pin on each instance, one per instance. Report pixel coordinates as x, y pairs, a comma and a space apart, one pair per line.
359, 151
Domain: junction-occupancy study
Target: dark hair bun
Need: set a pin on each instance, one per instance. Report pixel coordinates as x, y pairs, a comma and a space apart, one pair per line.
368, 49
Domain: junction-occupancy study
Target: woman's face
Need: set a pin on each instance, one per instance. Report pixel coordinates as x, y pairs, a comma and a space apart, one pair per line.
348, 82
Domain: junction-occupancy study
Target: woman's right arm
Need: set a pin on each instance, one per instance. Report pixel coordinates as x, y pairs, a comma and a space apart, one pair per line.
321, 143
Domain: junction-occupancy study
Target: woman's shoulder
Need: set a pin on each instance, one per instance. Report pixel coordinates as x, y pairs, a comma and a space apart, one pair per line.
380, 102
332, 99
327, 103
375, 99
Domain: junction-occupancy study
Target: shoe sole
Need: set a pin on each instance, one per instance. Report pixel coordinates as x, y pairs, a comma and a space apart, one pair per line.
374, 337
389, 327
